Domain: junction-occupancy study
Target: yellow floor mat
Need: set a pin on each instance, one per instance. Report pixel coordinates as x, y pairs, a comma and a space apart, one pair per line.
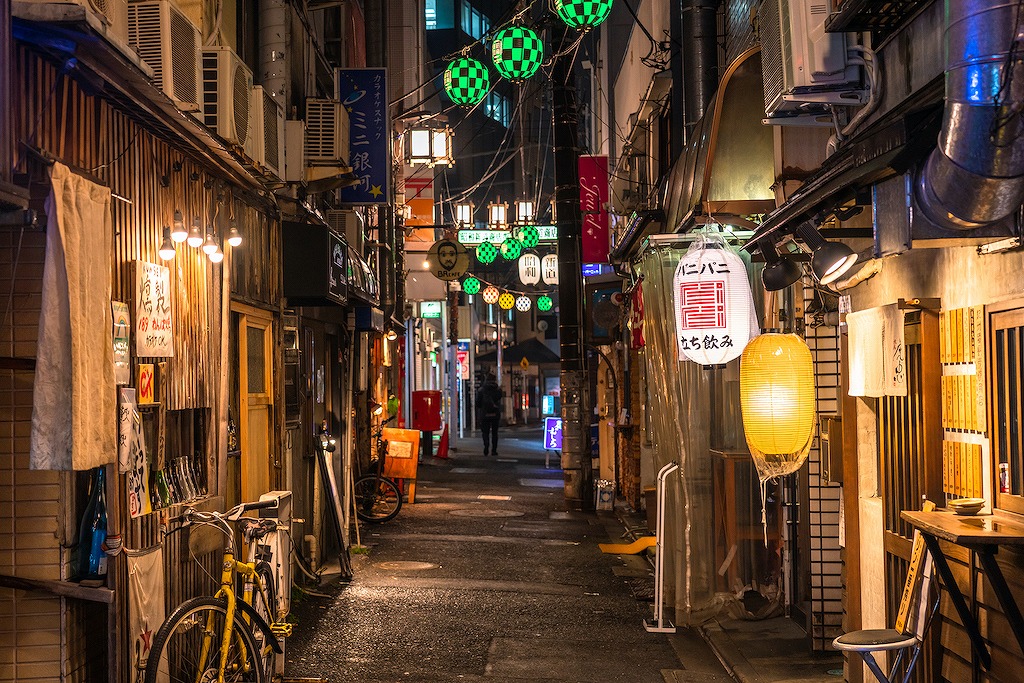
638, 546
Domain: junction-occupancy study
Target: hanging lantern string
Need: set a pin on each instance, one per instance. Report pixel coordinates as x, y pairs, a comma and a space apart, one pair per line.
487, 283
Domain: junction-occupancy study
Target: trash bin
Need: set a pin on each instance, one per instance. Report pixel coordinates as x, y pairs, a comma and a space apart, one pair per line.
426, 411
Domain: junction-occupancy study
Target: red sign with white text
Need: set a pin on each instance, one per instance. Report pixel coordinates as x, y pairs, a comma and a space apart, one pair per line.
593, 171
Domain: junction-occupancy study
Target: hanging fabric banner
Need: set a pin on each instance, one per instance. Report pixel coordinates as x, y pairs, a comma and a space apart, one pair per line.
877, 354
714, 308
593, 173
145, 604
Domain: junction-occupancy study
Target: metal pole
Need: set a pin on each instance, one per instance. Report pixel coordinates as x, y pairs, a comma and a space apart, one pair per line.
577, 465
659, 624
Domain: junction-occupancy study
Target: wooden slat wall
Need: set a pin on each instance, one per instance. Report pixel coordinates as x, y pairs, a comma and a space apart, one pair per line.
54, 115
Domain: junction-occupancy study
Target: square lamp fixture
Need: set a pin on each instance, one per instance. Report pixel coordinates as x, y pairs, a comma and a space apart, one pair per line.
431, 146
464, 214
524, 211
497, 215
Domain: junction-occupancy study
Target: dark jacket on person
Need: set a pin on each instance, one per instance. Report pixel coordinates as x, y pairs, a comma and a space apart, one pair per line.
488, 400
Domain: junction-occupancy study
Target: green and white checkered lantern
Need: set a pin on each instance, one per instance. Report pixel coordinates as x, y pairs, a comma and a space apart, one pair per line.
511, 248
544, 303
486, 252
517, 52
583, 13
466, 81
529, 235
471, 285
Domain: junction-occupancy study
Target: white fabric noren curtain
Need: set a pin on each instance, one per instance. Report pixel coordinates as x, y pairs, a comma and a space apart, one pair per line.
877, 352
74, 413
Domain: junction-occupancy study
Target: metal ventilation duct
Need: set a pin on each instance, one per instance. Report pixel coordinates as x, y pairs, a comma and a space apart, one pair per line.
976, 174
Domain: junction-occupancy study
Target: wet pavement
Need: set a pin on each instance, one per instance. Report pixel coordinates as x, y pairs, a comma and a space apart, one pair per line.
488, 577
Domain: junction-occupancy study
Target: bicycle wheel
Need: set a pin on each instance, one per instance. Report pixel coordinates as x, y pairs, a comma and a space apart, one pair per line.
187, 647
265, 603
377, 499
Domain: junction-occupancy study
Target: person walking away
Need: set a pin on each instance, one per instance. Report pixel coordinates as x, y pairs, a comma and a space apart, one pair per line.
489, 399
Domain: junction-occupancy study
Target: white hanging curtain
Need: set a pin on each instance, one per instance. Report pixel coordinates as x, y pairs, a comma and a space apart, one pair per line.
74, 414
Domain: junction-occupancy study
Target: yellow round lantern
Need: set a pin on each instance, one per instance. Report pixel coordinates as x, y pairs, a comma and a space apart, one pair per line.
491, 295
506, 301
777, 402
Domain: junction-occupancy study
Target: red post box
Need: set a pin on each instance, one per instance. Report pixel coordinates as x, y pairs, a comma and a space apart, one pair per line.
426, 411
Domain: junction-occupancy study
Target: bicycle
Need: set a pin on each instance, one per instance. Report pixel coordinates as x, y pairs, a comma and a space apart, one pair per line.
377, 498
203, 640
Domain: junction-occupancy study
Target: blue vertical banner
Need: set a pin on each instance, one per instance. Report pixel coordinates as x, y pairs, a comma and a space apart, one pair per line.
364, 94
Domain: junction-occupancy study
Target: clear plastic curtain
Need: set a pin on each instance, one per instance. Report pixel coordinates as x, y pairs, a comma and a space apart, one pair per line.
679, 417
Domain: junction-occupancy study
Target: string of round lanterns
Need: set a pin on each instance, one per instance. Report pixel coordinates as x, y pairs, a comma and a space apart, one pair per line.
517, 52
466, 81
583, 14
506, 301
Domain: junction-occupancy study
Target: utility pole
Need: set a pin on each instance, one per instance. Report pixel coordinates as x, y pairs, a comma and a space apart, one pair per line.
576, 457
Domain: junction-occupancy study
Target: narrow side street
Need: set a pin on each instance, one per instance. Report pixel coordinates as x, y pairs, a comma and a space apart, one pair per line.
487, 577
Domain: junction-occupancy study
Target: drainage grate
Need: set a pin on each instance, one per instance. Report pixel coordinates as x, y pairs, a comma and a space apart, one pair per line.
408, 566
485, 513
641, 589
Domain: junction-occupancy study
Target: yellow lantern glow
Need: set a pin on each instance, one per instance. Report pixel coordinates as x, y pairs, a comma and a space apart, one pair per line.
777, 402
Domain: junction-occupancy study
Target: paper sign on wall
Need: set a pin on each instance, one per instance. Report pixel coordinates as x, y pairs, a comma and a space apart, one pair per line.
137, 481
154, 334
127, 414
122, 321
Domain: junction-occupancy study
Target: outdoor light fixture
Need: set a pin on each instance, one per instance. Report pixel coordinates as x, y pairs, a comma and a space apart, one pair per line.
523, 303
166, 246
376, 408
583, 13
524, 211
491, 295
779, 271
497, 215
777, 402
517, 52
217, 256
829, 260
195, 235
234, 237
210, 245
471, 285
506, 301
466, 81
429, 145
544, 303
392, 335
178, 232
464, 213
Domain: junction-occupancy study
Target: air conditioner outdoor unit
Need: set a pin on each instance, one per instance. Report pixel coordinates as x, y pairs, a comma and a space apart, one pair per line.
294, 151
326, 133
267, 132
169, 43
804, 68
113, 13
227, 90
348, 223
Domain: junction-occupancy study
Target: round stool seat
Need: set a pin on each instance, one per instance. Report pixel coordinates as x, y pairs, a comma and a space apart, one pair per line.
873, 639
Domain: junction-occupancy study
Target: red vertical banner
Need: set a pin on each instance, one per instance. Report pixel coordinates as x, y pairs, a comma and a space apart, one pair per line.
593, 170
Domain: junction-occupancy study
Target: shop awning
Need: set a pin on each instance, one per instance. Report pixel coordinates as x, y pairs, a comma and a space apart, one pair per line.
727, 169
533, 350
729, 166
362, 281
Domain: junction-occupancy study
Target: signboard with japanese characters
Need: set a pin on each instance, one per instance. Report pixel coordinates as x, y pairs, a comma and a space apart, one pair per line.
714, 308
122, 353
546, 233
553, 433
154, 332
364, 94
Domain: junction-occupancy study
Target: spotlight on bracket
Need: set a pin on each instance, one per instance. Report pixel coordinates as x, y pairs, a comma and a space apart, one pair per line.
779, 271
829, 260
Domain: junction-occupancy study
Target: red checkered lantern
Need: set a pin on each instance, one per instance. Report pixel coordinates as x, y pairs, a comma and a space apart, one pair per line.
715, 316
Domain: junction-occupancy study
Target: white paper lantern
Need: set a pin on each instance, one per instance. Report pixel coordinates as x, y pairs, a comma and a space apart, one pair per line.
714, 309
529, 269
549, 269
523, 303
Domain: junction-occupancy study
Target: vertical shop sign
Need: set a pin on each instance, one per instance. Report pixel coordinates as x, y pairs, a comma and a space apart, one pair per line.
127, 413
714, 309
462, 358
137, 487
154, 333
146, 383
593, 171
636, 318
364, 95
553, 433
122, 322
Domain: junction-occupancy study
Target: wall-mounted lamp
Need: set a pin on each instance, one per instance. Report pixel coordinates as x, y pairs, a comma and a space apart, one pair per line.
217, 256
376, 408
178, 231
431, 146
524, 211
392, 335
166, 251
779, 271
195, 235
497, 215
464, 214
829, 260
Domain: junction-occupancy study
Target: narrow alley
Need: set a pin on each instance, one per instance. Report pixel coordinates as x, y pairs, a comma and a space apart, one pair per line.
487, 577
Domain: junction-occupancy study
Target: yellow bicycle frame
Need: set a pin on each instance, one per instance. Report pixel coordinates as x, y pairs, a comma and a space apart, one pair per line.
229, 568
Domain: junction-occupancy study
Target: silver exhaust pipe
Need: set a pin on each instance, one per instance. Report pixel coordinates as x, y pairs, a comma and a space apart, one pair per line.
975, 176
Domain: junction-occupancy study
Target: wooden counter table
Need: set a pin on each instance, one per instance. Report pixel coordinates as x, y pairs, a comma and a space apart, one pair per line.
982, 534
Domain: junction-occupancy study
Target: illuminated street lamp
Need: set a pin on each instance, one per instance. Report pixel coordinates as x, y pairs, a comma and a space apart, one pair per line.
428, 145
524, 211
497, 215
464, 214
